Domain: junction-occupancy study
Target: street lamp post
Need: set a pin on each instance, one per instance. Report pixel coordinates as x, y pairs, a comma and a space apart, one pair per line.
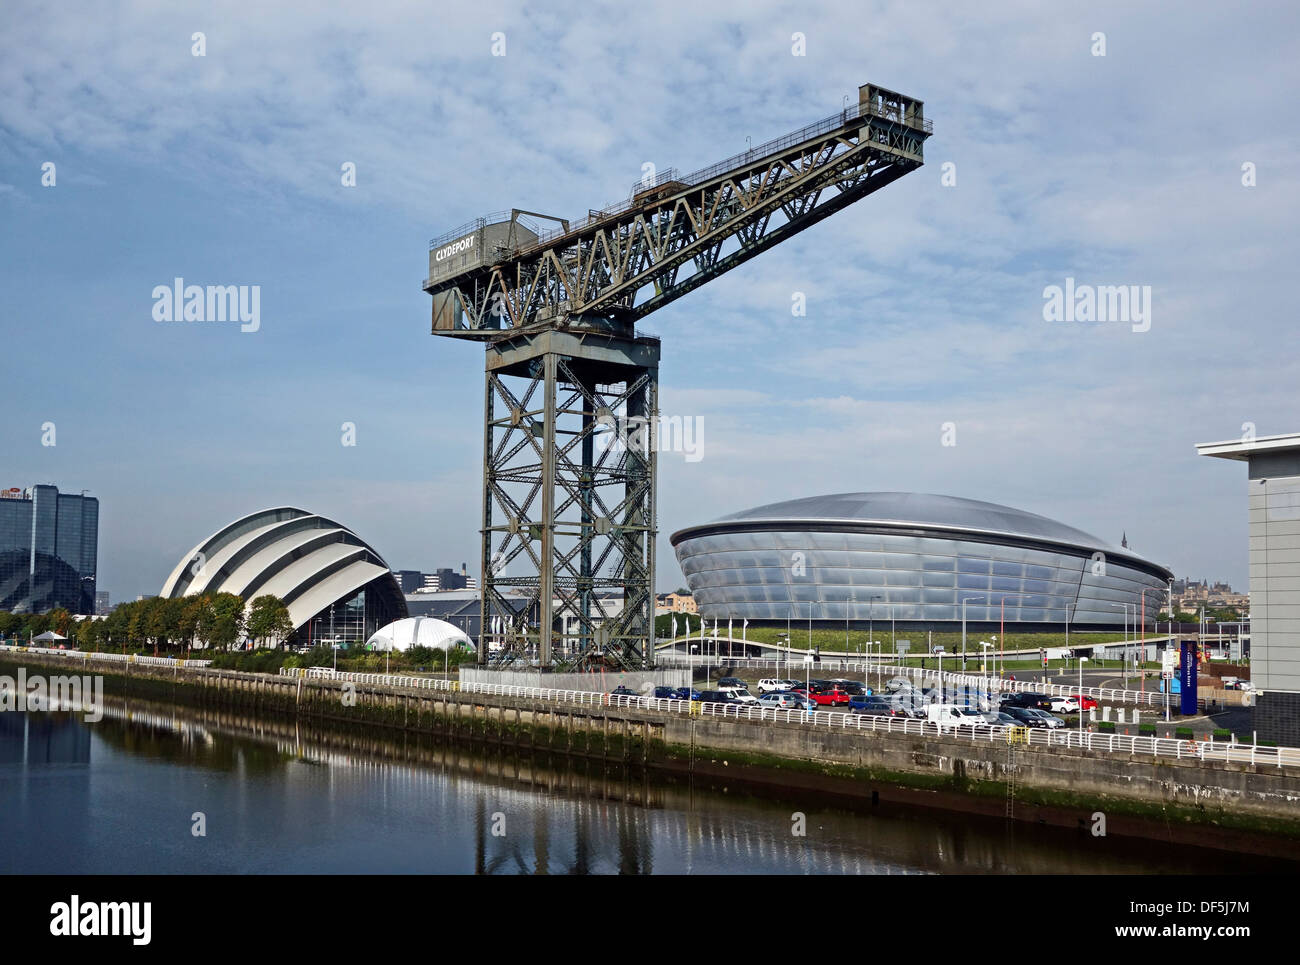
1082, 661
964, 601
1127, 651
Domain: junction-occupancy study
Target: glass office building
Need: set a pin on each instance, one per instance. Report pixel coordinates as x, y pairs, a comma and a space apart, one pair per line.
49, 547
917, 558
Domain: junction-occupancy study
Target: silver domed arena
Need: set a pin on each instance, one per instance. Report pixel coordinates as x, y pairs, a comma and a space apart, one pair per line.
916, 557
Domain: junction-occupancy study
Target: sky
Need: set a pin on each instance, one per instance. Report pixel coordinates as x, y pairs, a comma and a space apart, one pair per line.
1169, 161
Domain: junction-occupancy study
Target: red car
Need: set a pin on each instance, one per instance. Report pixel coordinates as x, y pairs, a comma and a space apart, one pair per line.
1085, 703
830, 695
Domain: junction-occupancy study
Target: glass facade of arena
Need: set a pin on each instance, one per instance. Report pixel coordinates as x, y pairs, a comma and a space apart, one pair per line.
49, 546
841, 574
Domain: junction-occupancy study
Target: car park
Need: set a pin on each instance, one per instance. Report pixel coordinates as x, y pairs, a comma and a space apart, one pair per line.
621, 691
1067, 704
899, 683
731, 683
771, 685
686, 693
664, 693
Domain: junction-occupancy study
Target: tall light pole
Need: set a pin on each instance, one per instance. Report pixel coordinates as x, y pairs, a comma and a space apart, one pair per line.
871, 616
984, 656
1126, 646
964, 601
1082, 661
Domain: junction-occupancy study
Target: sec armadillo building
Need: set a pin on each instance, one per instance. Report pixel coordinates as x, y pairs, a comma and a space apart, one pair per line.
336, 587
916, 557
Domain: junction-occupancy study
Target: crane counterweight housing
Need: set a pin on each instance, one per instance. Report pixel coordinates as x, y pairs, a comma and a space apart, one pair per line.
569, 475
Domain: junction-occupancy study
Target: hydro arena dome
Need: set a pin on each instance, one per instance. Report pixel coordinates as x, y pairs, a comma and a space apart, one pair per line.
916, 557
337, 588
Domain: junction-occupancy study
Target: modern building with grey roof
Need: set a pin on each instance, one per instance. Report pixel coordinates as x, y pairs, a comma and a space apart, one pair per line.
336, 586
916, 557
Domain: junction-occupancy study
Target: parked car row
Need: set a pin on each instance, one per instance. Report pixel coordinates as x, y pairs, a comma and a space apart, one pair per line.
901, 698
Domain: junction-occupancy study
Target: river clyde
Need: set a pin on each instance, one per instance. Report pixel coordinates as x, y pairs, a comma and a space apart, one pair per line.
161, 788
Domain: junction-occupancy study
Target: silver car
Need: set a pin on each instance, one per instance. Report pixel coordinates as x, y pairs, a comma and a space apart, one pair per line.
1048, 720
783, 701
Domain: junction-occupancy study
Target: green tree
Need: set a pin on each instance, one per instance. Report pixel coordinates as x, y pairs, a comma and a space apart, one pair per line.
159, 621
11, 624
34, 624
225, 620
135, 624
189, 614
90, 633
116, 626
269, 617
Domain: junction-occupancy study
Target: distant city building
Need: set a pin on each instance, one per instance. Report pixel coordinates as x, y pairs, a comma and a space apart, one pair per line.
448, 579
1193, 594
676, 603
409, 580
103, 606
1273, 518
49, 547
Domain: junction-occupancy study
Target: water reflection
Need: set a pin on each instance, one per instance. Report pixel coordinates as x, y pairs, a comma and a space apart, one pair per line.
279, 795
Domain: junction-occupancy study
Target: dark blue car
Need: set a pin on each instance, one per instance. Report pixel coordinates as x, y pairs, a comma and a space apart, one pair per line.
685, 693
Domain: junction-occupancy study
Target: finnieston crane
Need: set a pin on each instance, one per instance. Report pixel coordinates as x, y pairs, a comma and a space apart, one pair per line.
571, 401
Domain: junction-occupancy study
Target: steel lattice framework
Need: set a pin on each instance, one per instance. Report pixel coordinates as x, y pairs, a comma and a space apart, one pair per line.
571, 407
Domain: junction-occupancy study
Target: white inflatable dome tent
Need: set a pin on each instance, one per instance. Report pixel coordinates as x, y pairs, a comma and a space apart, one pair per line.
418, 632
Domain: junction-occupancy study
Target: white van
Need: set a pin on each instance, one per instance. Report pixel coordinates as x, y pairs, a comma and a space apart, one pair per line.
952, 716
740, 694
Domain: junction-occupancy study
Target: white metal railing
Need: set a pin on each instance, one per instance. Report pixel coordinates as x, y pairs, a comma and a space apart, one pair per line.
124, 657
1058, 737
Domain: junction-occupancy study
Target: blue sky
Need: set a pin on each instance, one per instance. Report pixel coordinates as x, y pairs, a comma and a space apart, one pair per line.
924, 301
